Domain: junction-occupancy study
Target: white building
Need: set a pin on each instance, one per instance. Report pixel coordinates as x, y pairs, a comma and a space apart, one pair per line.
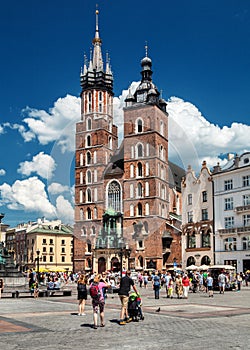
232, 212
197, 218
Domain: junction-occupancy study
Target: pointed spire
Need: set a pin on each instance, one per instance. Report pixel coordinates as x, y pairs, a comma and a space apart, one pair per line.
97, 42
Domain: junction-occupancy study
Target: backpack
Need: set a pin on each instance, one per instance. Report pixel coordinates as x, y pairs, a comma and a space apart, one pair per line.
94, 291
156, 281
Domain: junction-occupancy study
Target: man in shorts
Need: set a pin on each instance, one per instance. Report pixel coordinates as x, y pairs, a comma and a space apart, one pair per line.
222, 282
125, 284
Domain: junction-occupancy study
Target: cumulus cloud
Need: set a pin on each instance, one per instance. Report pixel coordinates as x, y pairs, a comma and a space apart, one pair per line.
2, 172
65, 211
56, 125
28, 195
56, 188
41, 164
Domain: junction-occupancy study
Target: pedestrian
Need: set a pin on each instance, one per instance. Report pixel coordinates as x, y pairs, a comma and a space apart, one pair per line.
179, 287
125, 284
145, 280
222, 282
98, 302
166, 280
210, 282
36, 290
186, 284
1, 286
170, 288
239, 281
140, 279
156, 281
81, 294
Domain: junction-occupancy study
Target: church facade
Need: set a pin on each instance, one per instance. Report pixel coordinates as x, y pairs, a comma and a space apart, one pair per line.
127, 198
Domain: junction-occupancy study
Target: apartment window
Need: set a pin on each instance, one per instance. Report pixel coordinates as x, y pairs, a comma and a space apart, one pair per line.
204, 214
229, 202
51, 241
190, 216
51, 258
63, 250
44, 258
246, 220
63, 258
44, 241
246, 243
246, 199
204, 196
229, 222
63, 241
190, 199
51, 250
44, 249
191, 240
228, 185
230, 244
246, 180
205, 239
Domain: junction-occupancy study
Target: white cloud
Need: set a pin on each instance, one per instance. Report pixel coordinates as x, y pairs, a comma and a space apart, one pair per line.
65, 211
2, 172
56, 188
27, 195
42, 164
57, 125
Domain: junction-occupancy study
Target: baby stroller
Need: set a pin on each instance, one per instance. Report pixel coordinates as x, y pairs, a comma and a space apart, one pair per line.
134, 307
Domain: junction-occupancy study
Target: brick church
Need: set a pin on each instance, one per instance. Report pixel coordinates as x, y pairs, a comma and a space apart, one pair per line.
127, 198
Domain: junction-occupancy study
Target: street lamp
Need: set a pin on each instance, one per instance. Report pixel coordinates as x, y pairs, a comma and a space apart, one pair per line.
37, 259
125, 252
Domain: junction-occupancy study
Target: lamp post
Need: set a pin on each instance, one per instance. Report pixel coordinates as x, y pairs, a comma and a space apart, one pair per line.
37, 259
125, 251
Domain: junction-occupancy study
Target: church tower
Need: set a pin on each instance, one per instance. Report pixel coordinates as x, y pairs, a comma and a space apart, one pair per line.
96, 138
146, 206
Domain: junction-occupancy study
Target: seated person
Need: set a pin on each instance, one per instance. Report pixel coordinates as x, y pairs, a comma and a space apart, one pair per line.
57, 284
50, 285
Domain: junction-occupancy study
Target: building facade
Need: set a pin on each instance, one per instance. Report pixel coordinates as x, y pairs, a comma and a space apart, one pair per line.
232, 212
197, 218
122, 194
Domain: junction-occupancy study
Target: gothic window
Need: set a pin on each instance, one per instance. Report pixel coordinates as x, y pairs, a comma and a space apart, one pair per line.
80, 196
88, 246
89, 102
139, 126
139, 190
131, 210
145, 226
139, 208
94, 157
162, 128
131, 170
147, 209
139, 169
88, 177
162, 172
147, 169
110, 126
110, 142
132, 152
89, 122
190, 261
88, 158
81, 159
139, 150
83, 230
95, 195
114, 196
81, 214
88, 141
131, 191
95, 175
146, 189
100, 101
161, 152
89, 197
95, 213
93, 230
162, 191
89, 216
147, 150
81, 177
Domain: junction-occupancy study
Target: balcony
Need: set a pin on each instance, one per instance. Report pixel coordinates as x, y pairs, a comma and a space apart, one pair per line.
242, 209
234, 230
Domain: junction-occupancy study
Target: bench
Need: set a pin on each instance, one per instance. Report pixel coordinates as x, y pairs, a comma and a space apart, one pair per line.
57, 292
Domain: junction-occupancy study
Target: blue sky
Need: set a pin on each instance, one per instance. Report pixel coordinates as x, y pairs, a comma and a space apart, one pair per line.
200, 52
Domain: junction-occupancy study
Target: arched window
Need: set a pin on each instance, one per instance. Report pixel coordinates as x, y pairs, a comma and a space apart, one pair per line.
94, 157
139, 126
139, 207
230, 244
89, 197
190, 261
81, 159
139, 169
139, 190
147, 209
132, 170
246, 243
146, 189
88, 158
147, 149
81, 177
88, 177
81, 214
95, 213
89, 102
80, 196
131, 209
145, 226
88, 141
95, 175
139, 150
89, 124
140, 261
89, 217
83, 230
147, 169
110, 142
93, 230
205, 260
131, 191
100, 102
162, 191
114, 196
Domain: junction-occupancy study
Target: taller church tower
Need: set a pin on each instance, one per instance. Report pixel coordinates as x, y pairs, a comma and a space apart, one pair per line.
96, 138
